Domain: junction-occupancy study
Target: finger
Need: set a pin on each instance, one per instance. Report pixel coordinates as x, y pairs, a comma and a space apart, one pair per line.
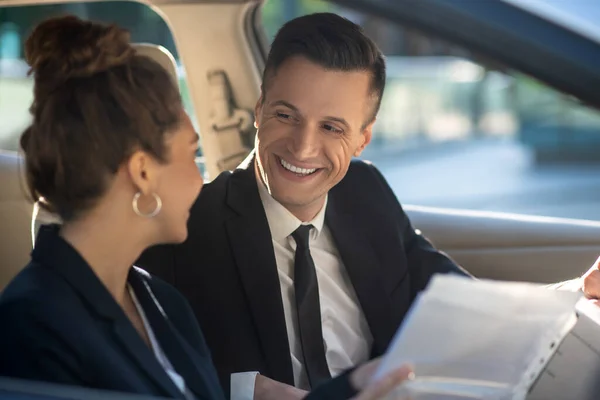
360, 377
365, 374
370, 367
593, 268
591, 285
385, 385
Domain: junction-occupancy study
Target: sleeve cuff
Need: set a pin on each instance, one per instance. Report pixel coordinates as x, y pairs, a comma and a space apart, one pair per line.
242, 385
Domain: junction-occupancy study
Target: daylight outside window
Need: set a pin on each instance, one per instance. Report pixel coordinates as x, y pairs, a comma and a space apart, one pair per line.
16, 23
457, 130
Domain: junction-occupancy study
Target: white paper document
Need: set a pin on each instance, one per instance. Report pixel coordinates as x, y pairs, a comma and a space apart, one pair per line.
479, 339
574, 370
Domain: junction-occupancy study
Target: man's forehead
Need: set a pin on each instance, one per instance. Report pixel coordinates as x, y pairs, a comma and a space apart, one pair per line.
326, 90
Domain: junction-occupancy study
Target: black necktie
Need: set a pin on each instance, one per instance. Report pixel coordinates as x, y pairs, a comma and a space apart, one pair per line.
309, 310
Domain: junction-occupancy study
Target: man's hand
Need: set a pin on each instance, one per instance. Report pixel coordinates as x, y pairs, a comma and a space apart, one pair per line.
361, 377
267, 389
591, 282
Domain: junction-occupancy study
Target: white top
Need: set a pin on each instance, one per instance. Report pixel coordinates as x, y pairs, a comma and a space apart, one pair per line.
158, 352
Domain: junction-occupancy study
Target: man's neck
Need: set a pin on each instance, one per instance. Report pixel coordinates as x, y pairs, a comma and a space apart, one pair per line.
306, 213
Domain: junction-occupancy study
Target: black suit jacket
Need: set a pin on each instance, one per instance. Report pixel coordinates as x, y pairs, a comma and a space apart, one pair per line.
227, 269
60, 324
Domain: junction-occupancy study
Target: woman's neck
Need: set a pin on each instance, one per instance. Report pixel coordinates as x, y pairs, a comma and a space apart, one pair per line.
109, 248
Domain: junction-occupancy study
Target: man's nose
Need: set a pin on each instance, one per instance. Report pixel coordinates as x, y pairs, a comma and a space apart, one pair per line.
305, 142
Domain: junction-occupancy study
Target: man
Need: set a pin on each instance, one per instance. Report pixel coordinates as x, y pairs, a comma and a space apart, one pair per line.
302, 263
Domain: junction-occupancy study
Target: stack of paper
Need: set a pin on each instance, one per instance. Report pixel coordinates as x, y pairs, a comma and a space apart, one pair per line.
479, 339
573, 370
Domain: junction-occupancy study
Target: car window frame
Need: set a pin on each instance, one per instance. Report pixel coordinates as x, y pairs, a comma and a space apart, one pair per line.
512, 36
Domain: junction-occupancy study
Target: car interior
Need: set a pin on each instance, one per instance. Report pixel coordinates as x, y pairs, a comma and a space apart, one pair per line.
223, 87
222, 47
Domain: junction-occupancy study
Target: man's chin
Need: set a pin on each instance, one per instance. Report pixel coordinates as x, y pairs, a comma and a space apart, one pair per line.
294, 200
285, 197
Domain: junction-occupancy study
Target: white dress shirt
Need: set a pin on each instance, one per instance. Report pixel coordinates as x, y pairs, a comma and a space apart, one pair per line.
346, 334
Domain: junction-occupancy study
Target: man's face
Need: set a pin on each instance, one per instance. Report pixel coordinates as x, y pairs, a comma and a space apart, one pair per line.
311, 122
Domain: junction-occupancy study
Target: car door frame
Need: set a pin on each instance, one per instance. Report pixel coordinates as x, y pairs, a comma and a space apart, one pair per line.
501, 31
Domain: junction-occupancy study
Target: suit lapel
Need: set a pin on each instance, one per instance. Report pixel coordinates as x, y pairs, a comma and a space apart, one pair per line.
53, 251
363, 268
132, 344
172, 343
252, 247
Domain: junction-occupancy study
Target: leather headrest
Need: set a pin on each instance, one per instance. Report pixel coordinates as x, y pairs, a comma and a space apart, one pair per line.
159, 54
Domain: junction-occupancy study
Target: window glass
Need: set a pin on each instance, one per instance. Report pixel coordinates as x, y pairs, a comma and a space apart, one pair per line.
16, 23
456, 130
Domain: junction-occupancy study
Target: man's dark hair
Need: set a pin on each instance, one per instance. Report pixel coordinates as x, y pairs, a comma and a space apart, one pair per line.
332, 42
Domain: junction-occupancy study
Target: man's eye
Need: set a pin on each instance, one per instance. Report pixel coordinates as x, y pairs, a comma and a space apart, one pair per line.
283, 115
331, 128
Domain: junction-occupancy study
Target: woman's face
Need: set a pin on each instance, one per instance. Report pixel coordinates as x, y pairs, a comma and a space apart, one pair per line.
179, 184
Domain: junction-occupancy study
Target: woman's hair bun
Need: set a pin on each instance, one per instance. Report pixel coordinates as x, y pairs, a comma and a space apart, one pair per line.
69, 47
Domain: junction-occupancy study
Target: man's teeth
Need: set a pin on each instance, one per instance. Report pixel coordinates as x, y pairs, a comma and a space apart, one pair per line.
296, 170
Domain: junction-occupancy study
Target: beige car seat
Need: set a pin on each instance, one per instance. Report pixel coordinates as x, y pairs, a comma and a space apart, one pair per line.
15, 217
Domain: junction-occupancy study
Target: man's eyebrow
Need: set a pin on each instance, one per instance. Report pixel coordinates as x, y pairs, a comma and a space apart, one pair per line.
285, 104
340, 120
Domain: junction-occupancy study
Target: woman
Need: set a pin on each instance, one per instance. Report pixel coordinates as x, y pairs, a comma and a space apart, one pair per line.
111, 150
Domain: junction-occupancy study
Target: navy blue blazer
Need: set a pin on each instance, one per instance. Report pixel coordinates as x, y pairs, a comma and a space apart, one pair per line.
58, 323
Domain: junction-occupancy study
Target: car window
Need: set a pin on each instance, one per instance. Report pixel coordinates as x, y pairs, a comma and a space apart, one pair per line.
145, 26
457, 130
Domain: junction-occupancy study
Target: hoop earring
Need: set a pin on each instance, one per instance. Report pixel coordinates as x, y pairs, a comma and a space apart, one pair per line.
152, 214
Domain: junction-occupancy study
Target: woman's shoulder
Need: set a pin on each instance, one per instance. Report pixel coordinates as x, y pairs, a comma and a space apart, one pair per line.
36, 296
28, 301
33, 284
39, 327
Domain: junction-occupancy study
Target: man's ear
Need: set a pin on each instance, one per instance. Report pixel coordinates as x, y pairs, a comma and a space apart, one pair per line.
258, 111
365, 138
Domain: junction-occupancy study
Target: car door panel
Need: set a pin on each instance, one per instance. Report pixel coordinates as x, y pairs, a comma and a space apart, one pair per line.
511, 247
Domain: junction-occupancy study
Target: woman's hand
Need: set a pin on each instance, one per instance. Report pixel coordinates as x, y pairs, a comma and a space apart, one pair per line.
360, 379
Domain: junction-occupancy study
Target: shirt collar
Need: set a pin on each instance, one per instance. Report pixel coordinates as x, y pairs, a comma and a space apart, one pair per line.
283, 223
